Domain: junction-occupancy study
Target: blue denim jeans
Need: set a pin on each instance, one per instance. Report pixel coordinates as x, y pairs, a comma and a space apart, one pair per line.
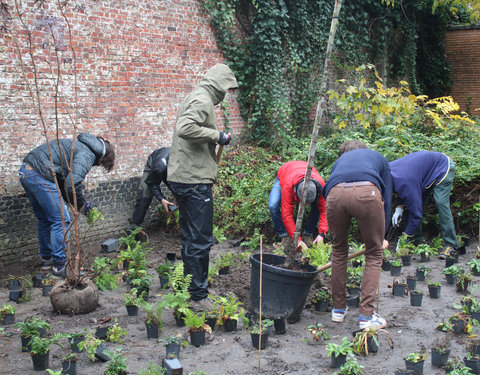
46, 205
274, 205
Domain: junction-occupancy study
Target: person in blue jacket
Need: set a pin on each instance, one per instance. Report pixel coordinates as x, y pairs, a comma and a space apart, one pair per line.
37, 178
417, 177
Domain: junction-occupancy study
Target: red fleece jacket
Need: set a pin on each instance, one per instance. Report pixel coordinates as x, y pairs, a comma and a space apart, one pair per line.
289, 175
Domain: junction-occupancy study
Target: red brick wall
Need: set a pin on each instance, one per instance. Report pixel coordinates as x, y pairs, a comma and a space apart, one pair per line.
463, 53
135, 62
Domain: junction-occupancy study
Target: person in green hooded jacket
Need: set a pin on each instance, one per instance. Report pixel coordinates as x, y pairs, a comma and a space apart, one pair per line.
192, 170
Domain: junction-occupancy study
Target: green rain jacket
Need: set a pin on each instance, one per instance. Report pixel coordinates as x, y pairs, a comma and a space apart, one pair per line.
192, 155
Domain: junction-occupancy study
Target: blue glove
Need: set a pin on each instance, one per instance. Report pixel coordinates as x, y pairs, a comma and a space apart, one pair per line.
224, 138
87, 207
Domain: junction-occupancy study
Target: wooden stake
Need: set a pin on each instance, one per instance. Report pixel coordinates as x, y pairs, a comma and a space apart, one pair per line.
260, 308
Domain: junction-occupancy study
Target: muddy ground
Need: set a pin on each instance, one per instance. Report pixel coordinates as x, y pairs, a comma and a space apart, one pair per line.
232, 353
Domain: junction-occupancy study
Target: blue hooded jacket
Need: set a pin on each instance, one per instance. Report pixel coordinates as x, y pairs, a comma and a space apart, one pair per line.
412, 176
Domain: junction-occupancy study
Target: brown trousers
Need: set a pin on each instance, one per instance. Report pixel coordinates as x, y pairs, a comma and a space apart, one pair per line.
365, 203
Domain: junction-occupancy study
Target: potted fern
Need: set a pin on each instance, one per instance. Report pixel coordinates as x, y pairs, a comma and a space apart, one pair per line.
179, 303
153, 319
163, 270
259, 333
197, 327
229, 310
30, 327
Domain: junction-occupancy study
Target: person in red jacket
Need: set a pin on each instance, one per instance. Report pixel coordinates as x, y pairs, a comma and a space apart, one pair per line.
286, 191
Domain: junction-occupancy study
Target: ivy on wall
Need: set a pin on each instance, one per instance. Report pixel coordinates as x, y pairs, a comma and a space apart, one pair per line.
276, 49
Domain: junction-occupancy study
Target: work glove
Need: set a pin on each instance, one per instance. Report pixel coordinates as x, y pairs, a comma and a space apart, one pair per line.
224, 138
397, 216
87, 207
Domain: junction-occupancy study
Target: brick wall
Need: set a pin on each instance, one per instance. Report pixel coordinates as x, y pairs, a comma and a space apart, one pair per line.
133, 63
463, 53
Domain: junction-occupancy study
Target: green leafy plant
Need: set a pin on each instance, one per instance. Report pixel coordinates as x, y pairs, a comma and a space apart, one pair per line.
474, 265
178, 280
416, 357
425, 249
396, 263
256, 329
318, 254
164, 269
360, 340
387, 254
434, 283
196, 321
453, 270
117, 364
229, 307
463, 279
49, 280
131, 298
318, 331
153, 369
41, 345
6, 309
153, 314
142, 282
52, 372
90, 344
423, 268
70, 357
405, 247
177, 302
93, 216
116, 333
345, 347
351, 367
322, 295
170, 340
32, 326
225, 260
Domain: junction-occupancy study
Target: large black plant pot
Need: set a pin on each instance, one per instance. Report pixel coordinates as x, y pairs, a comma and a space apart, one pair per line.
284, 291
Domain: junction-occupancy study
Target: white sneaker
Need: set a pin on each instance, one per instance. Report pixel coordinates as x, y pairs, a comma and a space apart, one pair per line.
375, 322
338, 315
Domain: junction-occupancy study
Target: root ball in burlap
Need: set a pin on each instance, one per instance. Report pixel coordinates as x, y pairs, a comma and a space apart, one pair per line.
68, 300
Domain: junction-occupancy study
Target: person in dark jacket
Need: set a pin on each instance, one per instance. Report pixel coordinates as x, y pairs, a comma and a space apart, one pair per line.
416, 177
360, 187
37, 178
286, 191
154, 173
192, 170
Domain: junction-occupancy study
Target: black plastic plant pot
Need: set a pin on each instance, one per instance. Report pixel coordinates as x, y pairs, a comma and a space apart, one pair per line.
475, 272
337, 362
37, 279
451, 279
101, 332
74, 341
100, 353
280, 325
173, 349
416, 367
416, 299
46, 290
424, 258
163, 281
434, 291
179, 320
420, 274
476, 315
224, 270
439, 359
404, 372
171, 257
230, 325
461, 250
353, 301
211, 321
353, 290
463, 288
256, 342
152, 330
197, 338
406, 260
321, 306
26, 346
458, 325
284, 291
473, 364
132, 310
411, 283
399, 290
14, 295
476, 349
386, 265
144, 293
8, 319
395, 270
69, 368
372, 346
40, 361
450, 261
14, 284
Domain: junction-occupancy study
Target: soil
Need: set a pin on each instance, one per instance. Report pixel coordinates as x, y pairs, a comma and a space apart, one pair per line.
294, 352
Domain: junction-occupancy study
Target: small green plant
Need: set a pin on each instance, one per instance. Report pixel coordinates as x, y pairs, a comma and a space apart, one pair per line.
225, 260
228, 307
177, 302
164, 269
49, 280
360, 341
404, 246
153, 369
318, 331
417, 356
41, 345
153, 314
93, 216
434, 283
116, 333
423, 268
70, 357
318, 254
463, 279
51, 372
387, 254
425, 249
117, 364
474, 265
131, 298
396, 263
351, 367
441, 344
178, 280
142, 282
32, 326
170, 340
345, 347
266, 323
195, 321
90, 344
322, 295
453, 270
6, 309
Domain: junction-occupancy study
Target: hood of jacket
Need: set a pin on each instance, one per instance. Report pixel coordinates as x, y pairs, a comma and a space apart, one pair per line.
217, 81
96, 145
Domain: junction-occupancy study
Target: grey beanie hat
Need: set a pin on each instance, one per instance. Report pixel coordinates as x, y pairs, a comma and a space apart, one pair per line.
310, 191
